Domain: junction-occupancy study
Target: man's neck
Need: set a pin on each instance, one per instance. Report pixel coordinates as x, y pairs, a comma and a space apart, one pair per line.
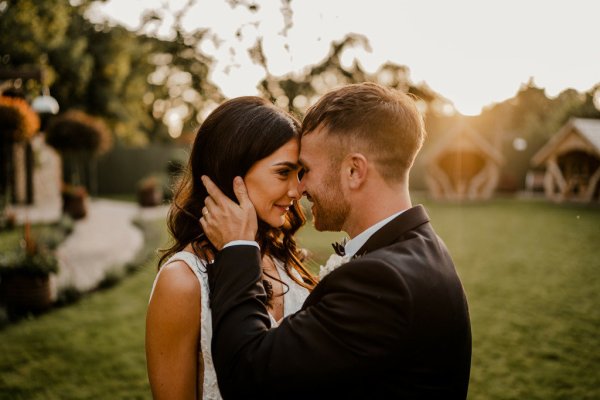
369, 210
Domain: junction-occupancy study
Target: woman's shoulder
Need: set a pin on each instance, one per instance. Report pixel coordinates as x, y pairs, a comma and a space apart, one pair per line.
175, 298
177, 279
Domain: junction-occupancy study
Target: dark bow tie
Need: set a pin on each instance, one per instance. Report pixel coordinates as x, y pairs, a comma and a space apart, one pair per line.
339, 248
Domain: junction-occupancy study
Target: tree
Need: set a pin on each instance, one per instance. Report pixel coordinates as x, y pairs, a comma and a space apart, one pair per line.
521, 125
106, 70
298, 90
31, 28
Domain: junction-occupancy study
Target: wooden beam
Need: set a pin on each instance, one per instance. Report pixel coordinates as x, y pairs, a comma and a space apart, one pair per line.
593, 183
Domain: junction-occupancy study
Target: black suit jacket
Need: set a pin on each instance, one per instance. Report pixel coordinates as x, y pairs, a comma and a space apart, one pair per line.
391, 323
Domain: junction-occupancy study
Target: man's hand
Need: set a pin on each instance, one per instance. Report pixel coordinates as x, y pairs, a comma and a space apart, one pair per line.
223, 220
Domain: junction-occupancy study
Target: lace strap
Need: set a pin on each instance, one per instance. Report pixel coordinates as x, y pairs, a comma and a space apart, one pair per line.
197, 265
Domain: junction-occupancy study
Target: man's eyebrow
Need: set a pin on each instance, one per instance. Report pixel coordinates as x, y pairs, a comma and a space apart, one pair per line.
288, 164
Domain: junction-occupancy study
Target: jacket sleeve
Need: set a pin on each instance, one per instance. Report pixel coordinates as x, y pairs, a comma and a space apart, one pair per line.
354, 319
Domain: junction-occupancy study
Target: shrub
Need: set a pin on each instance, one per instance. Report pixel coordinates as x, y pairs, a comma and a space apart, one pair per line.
111, 278
41, 263
51, 236
8, 220
76, 131
150, 192
68, 295
18, 121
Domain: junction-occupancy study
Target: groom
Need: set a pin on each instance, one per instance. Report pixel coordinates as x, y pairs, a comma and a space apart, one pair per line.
393, 321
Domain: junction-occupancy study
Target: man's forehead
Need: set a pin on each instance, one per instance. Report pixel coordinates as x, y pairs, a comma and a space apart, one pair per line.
309, 147
313, 137
318, 142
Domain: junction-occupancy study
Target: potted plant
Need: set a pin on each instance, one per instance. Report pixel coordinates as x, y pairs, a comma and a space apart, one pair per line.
79, 138
18, 124
25, 277
74, 201
8, 219
150, 192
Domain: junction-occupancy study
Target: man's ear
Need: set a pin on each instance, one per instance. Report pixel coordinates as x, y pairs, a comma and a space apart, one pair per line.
355, 170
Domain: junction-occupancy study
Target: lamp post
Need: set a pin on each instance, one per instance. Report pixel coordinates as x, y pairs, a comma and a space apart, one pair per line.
46, 106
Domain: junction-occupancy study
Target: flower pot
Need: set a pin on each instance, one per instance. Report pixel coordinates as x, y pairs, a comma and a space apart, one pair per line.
24, 292
150, 197
74, 203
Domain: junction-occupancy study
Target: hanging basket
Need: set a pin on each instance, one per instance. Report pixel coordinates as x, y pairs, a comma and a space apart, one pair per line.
18, 121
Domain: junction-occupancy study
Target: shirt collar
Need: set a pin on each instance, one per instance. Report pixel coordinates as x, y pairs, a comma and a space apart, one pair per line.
352, 246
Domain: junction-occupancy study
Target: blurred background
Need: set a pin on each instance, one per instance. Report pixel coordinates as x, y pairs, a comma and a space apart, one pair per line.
100, 101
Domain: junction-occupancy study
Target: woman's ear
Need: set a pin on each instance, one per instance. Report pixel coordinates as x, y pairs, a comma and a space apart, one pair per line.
355, 169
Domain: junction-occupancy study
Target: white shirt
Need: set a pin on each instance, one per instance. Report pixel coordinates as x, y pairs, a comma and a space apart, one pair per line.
352, 246
242, 243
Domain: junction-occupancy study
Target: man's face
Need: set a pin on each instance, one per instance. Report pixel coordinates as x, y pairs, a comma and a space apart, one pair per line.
320, 181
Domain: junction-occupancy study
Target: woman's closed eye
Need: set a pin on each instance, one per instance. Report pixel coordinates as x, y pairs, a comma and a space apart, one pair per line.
284, 172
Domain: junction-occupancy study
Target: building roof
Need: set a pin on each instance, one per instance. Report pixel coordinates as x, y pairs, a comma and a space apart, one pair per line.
587, 128
590, 129
460, 136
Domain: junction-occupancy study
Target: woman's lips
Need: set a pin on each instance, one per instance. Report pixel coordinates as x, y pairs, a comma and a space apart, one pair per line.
283, 209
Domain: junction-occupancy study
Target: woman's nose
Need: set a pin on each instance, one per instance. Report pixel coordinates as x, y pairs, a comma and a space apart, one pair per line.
293, 192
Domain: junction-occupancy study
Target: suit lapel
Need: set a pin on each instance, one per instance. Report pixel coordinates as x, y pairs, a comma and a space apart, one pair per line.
390, 232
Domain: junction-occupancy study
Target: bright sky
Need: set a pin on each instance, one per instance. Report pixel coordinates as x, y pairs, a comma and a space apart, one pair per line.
473, 52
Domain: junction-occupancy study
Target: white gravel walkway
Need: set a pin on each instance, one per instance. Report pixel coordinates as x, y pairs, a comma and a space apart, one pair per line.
106, 239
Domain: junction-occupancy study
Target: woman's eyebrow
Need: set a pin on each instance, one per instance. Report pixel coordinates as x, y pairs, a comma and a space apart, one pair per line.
288, 164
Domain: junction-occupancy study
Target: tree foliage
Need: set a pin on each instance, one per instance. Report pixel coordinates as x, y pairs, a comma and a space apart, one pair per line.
532, 118
298, 90
140, 84
104, 70
31, 28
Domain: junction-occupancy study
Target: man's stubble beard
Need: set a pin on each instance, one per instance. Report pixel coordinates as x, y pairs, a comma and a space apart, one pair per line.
330, 209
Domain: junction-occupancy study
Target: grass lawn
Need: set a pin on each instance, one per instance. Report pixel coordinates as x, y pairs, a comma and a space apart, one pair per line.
10, 240
531, 271
93, 349
48, 234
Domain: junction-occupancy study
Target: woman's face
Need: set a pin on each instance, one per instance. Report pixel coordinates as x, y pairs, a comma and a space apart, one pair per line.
272, 184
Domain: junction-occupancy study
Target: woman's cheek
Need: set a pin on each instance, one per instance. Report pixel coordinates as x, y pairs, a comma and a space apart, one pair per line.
254, 198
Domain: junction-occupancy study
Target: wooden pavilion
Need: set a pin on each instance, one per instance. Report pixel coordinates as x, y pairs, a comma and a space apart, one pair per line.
572, 161
462, 166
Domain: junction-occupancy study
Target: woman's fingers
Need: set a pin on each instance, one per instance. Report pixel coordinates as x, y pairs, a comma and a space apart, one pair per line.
239, 188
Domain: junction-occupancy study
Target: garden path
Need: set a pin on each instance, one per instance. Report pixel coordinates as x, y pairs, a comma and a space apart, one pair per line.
102, 242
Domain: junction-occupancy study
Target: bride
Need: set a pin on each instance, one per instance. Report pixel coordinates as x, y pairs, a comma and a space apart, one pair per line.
247, 137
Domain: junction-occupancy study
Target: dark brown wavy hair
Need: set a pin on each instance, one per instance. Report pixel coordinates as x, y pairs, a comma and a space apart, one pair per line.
234, 137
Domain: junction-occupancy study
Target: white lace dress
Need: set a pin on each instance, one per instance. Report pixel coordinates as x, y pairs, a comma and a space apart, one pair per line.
292, 301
